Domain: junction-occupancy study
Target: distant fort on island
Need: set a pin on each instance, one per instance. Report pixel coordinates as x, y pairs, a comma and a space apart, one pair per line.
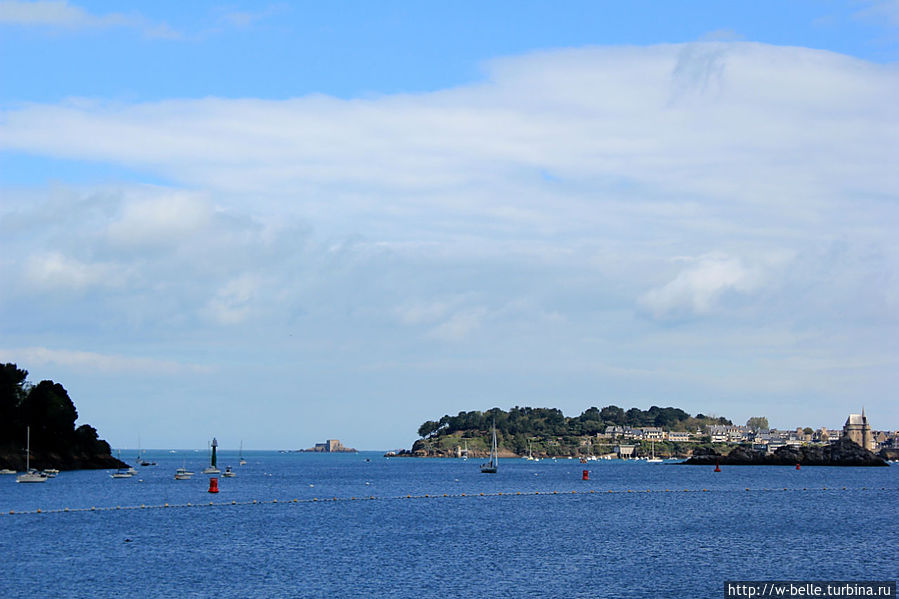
330, 446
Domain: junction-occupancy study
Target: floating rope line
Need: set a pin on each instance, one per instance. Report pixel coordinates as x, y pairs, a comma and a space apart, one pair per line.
207, 504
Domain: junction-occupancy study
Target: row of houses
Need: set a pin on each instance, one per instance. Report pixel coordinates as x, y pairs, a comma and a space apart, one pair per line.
856, 428
648, 433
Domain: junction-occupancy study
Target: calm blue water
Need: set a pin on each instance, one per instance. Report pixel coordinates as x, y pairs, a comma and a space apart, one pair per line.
620, 544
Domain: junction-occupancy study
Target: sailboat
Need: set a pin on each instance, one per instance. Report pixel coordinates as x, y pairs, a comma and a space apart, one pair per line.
140, 456
212, 469
123, 472
654, 459
490, 467
465, 451
30, 476
242, 461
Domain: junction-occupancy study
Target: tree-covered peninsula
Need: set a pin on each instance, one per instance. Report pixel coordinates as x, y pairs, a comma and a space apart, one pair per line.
47, 409
547, 432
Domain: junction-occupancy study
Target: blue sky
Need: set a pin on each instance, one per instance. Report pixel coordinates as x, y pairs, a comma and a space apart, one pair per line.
295, 221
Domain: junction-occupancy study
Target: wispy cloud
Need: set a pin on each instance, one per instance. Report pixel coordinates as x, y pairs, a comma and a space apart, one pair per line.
86, 361
885, 12
61, 14
243, 19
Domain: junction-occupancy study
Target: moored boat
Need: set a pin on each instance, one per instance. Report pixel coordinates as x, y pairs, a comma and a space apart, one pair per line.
30, 475
491, 466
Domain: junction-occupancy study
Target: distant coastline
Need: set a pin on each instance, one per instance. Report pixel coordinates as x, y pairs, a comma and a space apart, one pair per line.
661, 433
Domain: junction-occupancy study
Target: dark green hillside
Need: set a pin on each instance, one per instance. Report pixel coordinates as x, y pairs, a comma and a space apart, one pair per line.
48, 410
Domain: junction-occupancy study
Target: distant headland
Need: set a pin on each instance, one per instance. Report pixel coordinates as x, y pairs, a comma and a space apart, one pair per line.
615, 433
48, 411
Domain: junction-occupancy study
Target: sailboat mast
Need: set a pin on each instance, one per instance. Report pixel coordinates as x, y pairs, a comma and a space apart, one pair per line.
27, 448
494, 457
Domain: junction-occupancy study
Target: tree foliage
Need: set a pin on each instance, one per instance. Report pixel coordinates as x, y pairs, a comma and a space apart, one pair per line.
757, 423
48, 410
520, 423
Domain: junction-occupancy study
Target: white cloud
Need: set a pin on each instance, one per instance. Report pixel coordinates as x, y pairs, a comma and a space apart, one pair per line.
716, 121
159, 216
697, 289
232, 303
96, 362
55, 271
460, 325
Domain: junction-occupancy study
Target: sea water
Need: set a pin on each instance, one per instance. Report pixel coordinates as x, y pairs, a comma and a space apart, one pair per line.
539, 530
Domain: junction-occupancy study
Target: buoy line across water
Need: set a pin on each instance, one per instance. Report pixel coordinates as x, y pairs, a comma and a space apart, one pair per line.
307, 500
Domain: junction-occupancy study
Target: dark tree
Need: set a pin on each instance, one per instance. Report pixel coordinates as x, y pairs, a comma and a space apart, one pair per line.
428, 428
613, 415
50, 413
12, 391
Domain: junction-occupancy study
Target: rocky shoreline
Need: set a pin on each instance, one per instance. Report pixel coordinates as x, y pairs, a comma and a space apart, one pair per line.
45, 460
841, 453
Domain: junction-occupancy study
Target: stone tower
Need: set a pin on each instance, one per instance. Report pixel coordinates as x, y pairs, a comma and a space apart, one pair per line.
858, 430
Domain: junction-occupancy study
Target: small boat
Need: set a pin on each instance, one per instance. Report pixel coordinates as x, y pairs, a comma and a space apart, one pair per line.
491, 466
654, 459
242, 461
121, 473
141, 461
228, 473
50, 472
30, 475
183, 474
7, 471
530, 457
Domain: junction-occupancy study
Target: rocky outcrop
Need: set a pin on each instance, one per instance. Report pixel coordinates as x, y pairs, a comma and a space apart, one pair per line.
842, 453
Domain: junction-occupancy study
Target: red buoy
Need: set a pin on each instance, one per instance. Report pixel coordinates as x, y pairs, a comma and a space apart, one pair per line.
797, 465
585, 475
213, 485
717, 467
